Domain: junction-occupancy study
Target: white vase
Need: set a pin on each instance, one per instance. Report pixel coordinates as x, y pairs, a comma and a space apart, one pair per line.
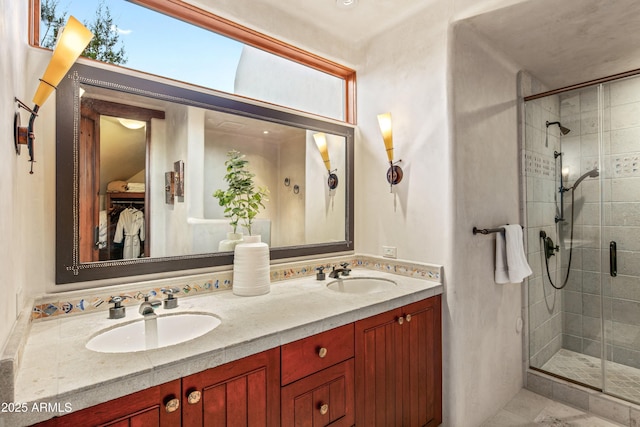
251, 267
229, 244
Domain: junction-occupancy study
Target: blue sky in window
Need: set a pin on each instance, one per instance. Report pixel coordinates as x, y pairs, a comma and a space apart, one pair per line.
165, 46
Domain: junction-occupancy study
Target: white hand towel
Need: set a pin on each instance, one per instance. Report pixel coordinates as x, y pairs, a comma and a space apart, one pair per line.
516, 258
502, 268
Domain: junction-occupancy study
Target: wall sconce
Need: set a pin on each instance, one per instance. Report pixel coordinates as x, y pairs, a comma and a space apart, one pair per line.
394, 174
321, 142
73, 40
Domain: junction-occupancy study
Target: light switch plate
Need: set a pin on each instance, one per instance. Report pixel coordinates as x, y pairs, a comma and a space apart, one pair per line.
389, 252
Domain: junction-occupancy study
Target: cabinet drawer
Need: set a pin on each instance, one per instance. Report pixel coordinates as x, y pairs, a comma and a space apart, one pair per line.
306, 356
325, 398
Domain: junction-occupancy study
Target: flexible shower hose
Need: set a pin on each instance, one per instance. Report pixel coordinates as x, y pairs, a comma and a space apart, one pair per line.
546, 259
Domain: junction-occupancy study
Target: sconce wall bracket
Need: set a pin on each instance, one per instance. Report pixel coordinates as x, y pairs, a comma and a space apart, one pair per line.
23, 135
332, 181
394, 173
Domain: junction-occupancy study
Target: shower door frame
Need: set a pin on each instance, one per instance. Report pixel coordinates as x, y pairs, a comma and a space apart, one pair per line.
605, 273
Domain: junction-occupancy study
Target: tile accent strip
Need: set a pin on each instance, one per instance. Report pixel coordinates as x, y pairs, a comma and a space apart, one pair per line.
88, 301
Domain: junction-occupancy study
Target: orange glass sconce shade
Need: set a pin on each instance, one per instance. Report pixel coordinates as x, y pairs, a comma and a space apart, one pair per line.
73, 40
321, 142
394, 173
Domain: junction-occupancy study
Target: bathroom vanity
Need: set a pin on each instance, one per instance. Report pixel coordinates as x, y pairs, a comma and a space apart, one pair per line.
303, 353
382, 370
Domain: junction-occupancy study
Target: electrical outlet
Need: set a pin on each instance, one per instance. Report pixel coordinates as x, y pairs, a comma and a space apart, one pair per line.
389, 252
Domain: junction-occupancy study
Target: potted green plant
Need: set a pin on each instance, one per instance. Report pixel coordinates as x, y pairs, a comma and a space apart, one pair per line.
242, 200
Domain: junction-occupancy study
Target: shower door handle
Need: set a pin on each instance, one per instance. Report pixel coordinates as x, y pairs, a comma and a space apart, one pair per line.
613, 259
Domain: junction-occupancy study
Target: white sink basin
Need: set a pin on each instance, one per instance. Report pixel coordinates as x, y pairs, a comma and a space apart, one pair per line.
157, 332
361, 285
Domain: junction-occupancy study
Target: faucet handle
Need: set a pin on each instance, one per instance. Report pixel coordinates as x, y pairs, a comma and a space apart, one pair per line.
117, 300
170, 292
117, 311
171, 301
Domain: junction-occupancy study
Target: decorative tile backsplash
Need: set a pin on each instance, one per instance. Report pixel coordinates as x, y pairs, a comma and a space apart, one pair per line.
538, 165
626, 165
78, 302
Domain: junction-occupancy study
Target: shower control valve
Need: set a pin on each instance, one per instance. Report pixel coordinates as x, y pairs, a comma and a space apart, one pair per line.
549, 247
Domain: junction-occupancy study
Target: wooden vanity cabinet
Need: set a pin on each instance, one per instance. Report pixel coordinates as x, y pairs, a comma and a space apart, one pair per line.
385, 370
398, 357
241, 393
318, 380
155, 406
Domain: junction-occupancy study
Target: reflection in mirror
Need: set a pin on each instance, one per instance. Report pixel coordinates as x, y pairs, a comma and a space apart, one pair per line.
123, 225
113, 147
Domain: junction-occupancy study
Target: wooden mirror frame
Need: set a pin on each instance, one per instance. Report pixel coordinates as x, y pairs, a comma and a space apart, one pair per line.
69, 269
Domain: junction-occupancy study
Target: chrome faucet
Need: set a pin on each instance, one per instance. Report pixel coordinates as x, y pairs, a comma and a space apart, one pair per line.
148, 308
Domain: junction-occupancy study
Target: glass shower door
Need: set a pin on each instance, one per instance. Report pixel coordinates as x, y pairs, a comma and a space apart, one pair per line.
620, 144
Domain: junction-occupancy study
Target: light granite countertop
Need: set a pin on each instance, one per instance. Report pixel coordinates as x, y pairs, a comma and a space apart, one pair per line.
56, 368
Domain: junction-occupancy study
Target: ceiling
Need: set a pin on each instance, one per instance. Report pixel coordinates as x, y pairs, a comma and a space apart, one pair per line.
351, 25
566, 42
561, 42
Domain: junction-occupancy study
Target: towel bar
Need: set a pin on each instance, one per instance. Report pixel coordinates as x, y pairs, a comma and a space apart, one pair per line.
477, 230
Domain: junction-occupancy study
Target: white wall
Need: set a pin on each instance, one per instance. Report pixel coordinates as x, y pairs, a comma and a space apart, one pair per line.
325, 208
288, 224
405, 73
13, 253
484, 361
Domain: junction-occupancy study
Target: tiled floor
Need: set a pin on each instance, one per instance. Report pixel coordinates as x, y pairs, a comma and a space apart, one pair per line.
622, 381
528, 409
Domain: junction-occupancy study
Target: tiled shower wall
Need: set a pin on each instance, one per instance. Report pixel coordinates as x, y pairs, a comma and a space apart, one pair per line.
545, 303
620, 300
582, 296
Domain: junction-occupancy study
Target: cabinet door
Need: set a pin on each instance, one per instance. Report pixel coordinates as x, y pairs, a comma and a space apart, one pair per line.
241, 393
322, 399
422, 364
145, 408
378, 371
399, 367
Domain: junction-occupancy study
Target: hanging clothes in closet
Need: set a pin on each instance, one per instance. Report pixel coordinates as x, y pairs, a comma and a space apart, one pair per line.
130, 228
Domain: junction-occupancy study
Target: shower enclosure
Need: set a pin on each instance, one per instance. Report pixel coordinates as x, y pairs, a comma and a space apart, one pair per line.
582, 170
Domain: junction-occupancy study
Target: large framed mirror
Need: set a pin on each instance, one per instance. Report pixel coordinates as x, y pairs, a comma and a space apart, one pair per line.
138, 160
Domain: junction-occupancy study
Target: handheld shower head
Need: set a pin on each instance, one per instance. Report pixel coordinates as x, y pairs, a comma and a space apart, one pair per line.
563, 130
593, 173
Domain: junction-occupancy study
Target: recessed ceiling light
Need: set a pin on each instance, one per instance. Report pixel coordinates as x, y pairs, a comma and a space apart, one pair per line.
266, 132
131, 124
346, 4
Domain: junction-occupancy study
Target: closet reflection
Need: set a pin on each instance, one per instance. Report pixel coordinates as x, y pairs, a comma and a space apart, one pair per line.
113, 150
122, 226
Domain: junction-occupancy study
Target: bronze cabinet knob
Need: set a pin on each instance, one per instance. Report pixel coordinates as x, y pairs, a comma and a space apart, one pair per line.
324, 408
194, 397
172, 405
